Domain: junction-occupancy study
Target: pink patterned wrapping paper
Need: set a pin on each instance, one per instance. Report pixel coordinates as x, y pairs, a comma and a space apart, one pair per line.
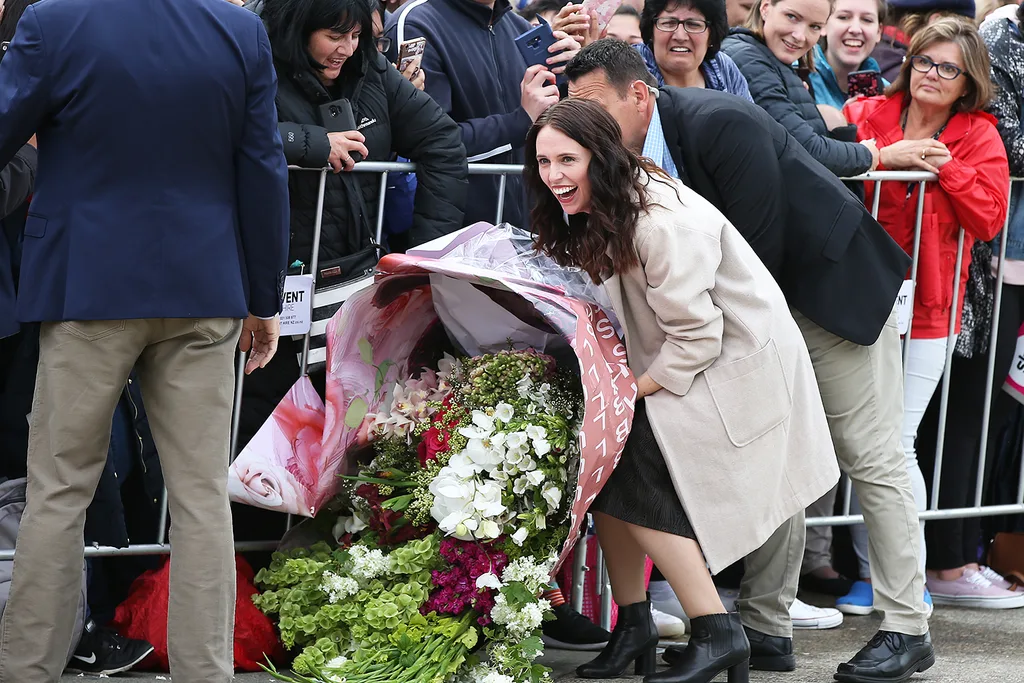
385, 332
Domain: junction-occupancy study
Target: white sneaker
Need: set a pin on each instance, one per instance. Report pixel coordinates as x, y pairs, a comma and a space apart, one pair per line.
664, 599
668, 625
810, 617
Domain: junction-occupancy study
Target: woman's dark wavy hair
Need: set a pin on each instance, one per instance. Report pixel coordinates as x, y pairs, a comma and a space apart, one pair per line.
290, 23
602, 244
713, 11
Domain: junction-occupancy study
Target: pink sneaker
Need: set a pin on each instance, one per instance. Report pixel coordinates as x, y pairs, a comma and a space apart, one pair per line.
999, 581
973, 590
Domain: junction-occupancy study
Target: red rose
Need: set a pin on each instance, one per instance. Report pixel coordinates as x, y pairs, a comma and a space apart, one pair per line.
434, 441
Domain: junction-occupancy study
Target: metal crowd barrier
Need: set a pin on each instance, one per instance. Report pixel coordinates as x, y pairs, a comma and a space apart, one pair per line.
580, 567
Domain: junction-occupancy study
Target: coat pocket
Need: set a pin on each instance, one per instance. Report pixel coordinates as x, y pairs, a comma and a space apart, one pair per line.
35, 226
844, 227
751, 394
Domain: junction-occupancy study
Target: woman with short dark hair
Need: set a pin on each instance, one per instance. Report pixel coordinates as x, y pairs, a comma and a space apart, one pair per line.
339, 101
681, 46
327, 61
729, 439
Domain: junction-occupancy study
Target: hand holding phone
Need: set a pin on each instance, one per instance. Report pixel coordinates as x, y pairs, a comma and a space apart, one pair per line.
864, 83
533, 45
408, 51
538, 91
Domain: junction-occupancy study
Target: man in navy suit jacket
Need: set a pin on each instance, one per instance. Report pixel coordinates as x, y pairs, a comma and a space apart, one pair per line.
159, 222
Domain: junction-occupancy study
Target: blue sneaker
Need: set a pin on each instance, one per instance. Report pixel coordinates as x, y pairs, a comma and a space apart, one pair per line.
928, 602
858, 601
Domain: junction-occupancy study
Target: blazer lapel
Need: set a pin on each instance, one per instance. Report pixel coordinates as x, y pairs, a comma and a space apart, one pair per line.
670, 128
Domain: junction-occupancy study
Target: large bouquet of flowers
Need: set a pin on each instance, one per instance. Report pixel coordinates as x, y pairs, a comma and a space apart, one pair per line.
464, 484
456, 523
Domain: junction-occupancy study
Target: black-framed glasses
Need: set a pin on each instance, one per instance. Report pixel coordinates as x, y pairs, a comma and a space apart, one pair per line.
670, 24
383, 44
946, 71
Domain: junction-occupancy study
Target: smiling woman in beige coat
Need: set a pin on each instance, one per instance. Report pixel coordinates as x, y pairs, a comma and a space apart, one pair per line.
729, 436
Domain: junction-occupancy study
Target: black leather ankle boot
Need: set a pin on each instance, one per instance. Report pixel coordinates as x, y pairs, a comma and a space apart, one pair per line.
635, 639
717, 644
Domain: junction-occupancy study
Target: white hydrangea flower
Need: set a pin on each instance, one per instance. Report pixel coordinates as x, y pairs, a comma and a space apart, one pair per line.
527, 571
368, 564
522, 623
337, 587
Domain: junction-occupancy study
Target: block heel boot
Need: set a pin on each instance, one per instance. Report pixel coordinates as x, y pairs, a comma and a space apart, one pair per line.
634, 640
718, 643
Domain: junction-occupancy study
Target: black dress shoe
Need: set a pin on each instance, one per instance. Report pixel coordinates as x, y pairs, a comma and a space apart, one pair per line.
767, 653
717, 644
838, 587
888, 658
634, 640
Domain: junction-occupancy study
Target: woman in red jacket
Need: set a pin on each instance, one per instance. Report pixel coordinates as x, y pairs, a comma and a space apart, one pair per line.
931, 119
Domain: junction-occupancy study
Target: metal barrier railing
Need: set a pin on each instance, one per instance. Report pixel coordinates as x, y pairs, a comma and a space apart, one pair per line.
603, 584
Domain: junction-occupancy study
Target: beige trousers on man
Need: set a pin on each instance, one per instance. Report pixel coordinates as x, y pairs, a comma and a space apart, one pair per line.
862, 391
186, 372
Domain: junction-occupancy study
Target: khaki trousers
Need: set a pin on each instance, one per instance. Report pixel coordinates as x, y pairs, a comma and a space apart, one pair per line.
771, 575
818, 550
862, 391
186, 372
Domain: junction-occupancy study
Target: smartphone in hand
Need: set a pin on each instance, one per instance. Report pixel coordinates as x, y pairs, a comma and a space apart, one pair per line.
338, 117
410, 50
534, 44
865, 83
604, 9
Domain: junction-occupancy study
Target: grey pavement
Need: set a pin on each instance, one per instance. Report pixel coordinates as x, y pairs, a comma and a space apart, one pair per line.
973, 646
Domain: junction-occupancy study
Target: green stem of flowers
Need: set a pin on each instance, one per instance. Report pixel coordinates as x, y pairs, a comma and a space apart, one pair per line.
384, 482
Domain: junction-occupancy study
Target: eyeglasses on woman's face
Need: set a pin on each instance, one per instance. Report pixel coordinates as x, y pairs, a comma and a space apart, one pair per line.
670, 24
945, 70
383, 44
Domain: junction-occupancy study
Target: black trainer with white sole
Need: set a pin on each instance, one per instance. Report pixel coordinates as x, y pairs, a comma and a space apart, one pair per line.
102, 651
570, 630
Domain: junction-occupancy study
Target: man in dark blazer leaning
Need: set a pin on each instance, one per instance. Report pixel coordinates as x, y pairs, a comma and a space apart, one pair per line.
157, 235
841, 274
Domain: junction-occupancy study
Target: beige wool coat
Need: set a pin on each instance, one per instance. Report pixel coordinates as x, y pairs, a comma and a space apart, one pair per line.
739, 421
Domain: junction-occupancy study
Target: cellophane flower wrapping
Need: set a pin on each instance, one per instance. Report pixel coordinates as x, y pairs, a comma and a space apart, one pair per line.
473, 411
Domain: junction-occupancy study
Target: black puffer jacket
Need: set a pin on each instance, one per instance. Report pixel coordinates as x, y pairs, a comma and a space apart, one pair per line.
394, 117
778, 89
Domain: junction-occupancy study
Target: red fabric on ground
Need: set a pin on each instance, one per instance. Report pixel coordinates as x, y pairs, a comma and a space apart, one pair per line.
143, 615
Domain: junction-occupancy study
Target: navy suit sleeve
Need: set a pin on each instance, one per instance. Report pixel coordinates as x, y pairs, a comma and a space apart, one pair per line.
740, 156
17, 180
24, 91
480, 135
262, 187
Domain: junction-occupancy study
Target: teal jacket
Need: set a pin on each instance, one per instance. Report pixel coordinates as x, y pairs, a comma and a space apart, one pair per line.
823, 80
